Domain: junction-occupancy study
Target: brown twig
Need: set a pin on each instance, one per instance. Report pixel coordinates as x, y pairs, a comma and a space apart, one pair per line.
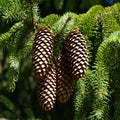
68, 19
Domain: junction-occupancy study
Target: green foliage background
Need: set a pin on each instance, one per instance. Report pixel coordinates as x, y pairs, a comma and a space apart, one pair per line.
96, 95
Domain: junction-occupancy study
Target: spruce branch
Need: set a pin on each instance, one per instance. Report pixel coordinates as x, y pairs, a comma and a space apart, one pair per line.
101, 95
36, 17
60, 29
26, 50
88, 20
115, 9
66, 20
13, 72
89, 28
101, 83
109, 24
79, 100
16, 10
6, 36
31, 10
49, 20
111, 60
83, 96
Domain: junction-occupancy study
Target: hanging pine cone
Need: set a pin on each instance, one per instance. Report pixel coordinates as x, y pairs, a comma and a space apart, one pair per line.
76, 52
46, 90
44, 68
64, 80
42, 52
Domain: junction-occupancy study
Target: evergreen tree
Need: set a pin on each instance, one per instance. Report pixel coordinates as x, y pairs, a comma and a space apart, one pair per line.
93, 96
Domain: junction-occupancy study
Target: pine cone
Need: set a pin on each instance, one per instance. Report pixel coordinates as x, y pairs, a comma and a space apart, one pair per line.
46, 90
76, 52
64, 80
44, 68
42, 52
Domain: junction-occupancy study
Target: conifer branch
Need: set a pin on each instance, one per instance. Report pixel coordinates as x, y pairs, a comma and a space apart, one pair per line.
103, 66
60, 29
4, 37
13, 72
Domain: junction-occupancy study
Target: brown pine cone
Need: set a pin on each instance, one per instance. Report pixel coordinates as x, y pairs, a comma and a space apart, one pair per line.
65, 82
46, 90
42, 52
76, 53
